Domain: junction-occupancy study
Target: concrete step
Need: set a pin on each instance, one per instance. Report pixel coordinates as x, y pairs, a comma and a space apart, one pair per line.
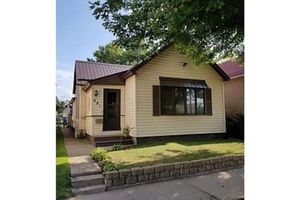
87, 180
112, 142
107, 138
85, 173
89, 189
83, 165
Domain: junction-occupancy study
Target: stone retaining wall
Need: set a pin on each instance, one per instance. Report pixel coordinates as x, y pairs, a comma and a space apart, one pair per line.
154, 173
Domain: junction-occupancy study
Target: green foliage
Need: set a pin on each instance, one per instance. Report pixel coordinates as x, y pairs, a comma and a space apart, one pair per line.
60, 106
117, 147
116, 54
109, 166
126, 131
99, 154
63, 183
206, 31
235, 126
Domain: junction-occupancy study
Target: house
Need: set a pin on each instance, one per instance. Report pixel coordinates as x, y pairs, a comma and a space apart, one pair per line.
70, 115
163, 96
234, 89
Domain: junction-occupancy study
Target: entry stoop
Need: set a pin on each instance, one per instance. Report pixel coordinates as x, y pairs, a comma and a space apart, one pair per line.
88, 184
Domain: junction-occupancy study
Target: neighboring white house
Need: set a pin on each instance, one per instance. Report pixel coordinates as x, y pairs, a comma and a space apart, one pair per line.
165, 95
66, 110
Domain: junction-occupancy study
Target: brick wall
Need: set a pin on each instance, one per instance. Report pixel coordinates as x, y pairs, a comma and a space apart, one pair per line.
154, 173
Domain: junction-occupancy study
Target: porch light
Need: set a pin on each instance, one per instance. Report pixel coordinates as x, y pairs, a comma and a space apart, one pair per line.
183, 64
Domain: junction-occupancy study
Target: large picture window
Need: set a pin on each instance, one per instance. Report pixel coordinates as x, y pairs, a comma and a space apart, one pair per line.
182, 101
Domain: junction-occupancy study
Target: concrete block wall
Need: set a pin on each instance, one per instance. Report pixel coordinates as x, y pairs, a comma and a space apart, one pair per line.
154, 173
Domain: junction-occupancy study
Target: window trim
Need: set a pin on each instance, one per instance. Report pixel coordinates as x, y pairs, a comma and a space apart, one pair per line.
185, 102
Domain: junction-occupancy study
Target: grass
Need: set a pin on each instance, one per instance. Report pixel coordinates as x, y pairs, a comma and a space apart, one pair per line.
174, 151
63, 185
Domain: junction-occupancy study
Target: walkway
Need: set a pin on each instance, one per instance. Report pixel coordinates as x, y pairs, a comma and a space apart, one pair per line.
221, 185
79, 151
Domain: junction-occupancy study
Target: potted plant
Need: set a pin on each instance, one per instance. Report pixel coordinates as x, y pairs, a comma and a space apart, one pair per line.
126, 132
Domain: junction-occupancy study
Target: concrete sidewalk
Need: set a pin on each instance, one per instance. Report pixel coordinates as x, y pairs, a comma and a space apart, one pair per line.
76, 147
221, 185
79, 151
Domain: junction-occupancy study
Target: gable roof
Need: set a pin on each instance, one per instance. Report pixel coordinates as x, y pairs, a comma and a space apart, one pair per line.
87, 71
136, 67
132, 70
233, 69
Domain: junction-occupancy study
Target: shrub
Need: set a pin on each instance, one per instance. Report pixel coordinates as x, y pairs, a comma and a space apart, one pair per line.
117, 147
235, 126
99, 154
81, 135
109, 166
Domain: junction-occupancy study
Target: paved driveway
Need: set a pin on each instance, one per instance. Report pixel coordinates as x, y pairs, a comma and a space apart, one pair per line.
221, 185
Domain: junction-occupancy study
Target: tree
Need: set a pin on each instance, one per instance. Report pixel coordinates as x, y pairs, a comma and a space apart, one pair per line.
60, 106
204, 30
113, 53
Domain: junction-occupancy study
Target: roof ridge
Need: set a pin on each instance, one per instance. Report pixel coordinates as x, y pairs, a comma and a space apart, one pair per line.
112, 64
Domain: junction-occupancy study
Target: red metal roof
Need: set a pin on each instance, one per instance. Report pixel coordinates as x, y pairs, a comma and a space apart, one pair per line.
232, 68
93, 70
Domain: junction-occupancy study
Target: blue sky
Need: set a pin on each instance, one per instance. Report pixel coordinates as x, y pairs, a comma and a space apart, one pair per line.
78, 34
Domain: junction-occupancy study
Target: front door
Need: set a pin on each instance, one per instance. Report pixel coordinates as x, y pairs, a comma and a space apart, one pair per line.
111, 115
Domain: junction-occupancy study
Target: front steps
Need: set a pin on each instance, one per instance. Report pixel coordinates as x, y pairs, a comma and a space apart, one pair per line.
87, 184
89, 189
111, 140
86, 176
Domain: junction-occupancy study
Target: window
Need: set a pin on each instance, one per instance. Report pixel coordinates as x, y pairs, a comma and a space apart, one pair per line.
182, 101
200, 102
190, 101
179, 100
167, 100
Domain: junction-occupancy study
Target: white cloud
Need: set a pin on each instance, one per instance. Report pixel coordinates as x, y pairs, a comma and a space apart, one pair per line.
64, 80
62, 73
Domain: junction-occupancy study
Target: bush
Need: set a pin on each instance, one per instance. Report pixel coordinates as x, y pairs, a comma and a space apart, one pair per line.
235, 126
109, 166
81, 135
117, 147
99, 154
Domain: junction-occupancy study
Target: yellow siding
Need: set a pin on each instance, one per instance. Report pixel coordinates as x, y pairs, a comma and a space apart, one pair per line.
88, 102
167, 64
130, 105
88, 120
82, 108
89, 125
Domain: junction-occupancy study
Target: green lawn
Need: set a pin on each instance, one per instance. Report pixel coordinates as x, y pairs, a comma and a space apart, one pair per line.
62, 168
174, 151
